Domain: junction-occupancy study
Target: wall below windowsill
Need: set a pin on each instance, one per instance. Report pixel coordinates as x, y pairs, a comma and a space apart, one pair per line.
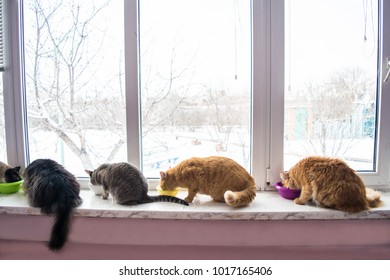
268, 205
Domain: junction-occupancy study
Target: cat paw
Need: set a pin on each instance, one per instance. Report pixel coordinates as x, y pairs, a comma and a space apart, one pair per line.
298, 201
229, 197
196, 201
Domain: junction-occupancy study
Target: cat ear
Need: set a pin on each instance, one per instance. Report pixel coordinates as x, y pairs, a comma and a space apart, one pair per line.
284, 175
88, 172
16, 169
163, 175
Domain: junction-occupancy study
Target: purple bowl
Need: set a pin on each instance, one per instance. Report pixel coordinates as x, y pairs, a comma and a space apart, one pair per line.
287, 193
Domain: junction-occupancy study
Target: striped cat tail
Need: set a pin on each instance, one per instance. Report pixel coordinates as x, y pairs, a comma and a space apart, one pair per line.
240, 198
373, 198
167, 198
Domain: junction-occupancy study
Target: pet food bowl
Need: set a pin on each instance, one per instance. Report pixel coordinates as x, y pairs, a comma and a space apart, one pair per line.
96, 189
168, 192
8, 188
286, 192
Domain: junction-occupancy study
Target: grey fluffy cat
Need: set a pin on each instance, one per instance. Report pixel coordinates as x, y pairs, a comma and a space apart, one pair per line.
126, 184
9, 174
55, 190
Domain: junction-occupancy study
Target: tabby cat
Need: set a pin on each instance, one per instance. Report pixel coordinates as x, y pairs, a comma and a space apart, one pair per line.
220, 177
9, 174
331, 183
126, 184
52, 188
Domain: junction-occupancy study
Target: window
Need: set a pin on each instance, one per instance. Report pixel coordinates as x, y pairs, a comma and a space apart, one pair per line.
164, 80
195, 72
195, 99
334, 96
75, 96
331, 81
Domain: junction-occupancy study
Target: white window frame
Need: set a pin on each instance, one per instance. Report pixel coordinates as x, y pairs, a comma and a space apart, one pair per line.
267, 91
132, 82
13, 86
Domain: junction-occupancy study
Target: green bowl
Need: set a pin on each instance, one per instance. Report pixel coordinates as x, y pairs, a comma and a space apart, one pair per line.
13, 187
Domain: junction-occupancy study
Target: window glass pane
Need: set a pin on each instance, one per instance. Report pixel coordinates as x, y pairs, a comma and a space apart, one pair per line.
331, 80
195, 81
3, 150
74, 81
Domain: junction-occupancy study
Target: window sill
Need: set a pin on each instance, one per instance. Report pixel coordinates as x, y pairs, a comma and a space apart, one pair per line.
267, 206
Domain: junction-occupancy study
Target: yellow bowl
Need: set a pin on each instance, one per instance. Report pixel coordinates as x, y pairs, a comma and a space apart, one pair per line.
168, 192
13, 187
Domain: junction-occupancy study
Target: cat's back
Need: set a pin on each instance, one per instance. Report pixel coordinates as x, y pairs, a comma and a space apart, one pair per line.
227, 165
318, 168
122, 173
49, 174
206, 163
46, 168
3, 165
213, 169
211, 162
3, 168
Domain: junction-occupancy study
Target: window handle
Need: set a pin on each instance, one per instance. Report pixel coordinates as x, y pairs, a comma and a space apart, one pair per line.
388, 70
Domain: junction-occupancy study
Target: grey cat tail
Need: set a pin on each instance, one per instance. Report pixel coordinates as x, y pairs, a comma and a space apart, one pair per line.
167, 198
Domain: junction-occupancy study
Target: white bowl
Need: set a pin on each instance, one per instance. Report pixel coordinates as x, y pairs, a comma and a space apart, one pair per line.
97, 189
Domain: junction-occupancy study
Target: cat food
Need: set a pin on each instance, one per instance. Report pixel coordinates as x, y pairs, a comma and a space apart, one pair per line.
10, 187
167, 192
287, 193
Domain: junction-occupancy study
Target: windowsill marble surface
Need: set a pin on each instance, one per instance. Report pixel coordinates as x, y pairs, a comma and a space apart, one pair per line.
268, 205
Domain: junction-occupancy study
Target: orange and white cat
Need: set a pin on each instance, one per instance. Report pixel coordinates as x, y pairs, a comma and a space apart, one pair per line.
331, 183
220, 177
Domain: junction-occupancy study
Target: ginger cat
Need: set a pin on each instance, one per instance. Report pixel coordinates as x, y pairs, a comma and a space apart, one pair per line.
221, 178
331, 183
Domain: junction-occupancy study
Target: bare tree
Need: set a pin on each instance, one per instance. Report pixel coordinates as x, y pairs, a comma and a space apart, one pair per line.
67, 97
60, 70
330, 123
165, 94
